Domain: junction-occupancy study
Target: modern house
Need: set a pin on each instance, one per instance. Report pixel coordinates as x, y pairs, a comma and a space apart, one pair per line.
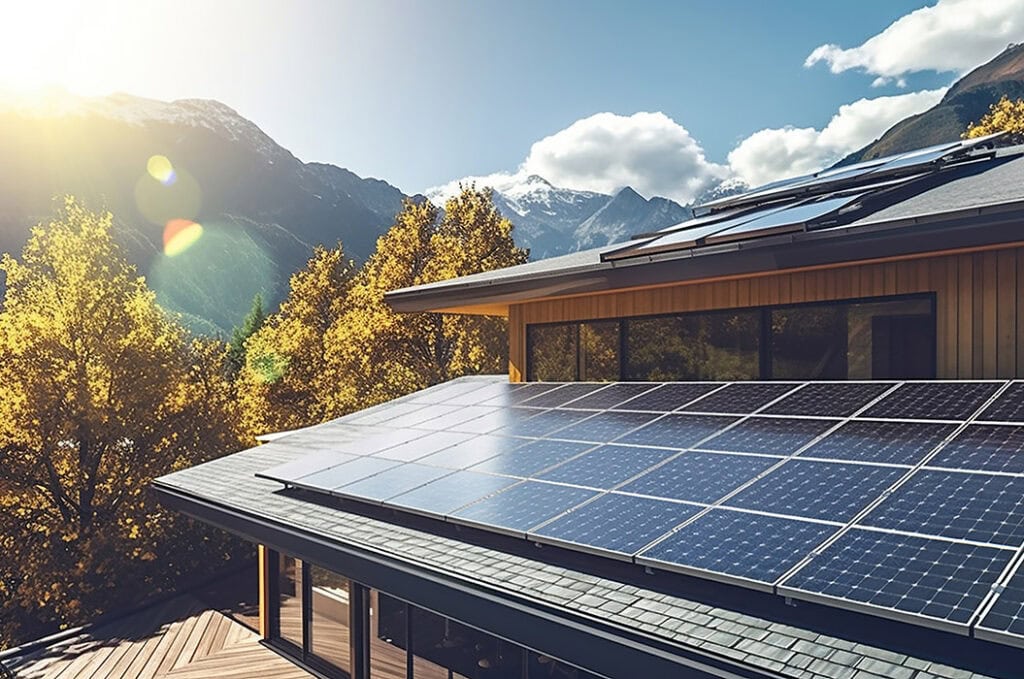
782, 439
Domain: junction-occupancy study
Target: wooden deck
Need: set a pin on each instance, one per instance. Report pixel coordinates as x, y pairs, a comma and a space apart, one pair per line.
182, 638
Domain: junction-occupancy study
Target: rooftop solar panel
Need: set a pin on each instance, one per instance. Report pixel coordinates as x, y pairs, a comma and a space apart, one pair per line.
416, 448
612, 395
442, 497
391, 482
904, 443
748, 546
934, 582
699, 477
607, 466
829, 399
1006, 616
606, 427
677, 430
562, 395
985, 447
668, 397
523, 506
522, 393
977, 507
830, 491
688, 238
545, 423
307, 464
783, 221
933, 401
470, 451
769, 435
461, 415
740, 398
532, 458
328, 479
1008, 406
616, 523
500, 418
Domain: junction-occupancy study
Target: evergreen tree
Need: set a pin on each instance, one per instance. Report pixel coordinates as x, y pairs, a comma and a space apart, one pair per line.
252, 322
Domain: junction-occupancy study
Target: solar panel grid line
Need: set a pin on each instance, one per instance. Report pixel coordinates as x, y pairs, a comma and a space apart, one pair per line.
989, 633
932, 536
794, 387
640, 397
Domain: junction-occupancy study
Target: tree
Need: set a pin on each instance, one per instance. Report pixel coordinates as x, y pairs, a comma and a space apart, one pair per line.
284, 383
1003, 116
376, 354
252, 322
103, 391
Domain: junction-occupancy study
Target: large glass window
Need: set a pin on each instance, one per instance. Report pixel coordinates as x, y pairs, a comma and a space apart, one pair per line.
329, 639
289, 591
892, 338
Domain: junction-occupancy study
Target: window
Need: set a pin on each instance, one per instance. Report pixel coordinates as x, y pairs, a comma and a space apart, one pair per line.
290, 600
329, 639
886, 338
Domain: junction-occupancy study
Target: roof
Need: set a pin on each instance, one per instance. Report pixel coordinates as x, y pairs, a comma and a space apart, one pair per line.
959, 205
769, 642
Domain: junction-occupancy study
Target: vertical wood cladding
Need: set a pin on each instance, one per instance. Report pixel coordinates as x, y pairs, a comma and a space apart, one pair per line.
979, 304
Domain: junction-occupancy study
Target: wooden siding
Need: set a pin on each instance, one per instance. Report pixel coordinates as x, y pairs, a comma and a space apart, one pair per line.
979, 304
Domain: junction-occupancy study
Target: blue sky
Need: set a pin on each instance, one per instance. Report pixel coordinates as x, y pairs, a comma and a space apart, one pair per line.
421, 93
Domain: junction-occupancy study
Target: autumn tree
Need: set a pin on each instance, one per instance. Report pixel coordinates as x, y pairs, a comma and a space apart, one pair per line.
284, 384
252, 322
374, 353
103, 391
1003, 116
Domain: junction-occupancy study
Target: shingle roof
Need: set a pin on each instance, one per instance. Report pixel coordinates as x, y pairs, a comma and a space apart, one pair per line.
785, 649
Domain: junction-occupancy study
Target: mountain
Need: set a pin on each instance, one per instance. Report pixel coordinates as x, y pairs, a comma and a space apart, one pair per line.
262, 209
552, 220
965, 102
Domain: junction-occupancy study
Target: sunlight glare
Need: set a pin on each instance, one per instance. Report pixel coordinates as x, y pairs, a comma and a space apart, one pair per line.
160, 169
180, 235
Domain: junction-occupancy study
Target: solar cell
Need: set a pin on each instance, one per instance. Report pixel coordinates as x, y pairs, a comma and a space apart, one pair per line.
606, 466
687, 238
384, 412
391, 482
618, 523
347, 472
699, 477
886, 442
448, 493
605, 426
985, 447
461, 415
668, 397
829, 399
523, 506
471, 451
448, 390
376, 443
1008, 407
783, 221
307, 464
523, 393
979, 507
829, 491
500, 391
562, 395
612, 395
1007, 613
424, 445
769, 435
939, 579
677, 431
933, 401
499, 419
533, 457
740, 398
545, 423
750, 546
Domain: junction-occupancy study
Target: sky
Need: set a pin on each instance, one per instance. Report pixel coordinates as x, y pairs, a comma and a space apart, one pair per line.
669, 97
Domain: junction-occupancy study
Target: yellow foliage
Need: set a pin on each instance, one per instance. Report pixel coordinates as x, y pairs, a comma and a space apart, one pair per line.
1003, 116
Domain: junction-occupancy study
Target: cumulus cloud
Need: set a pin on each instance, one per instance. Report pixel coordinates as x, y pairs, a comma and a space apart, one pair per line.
605, 152
776, 153
952, 35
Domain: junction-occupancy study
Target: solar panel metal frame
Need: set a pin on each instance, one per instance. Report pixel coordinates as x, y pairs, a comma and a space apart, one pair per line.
997, 635
750, 229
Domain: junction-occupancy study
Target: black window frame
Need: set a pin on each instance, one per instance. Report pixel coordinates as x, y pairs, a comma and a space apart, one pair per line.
765, 339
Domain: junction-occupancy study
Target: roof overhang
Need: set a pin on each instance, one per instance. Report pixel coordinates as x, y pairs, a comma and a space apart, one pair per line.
983, 227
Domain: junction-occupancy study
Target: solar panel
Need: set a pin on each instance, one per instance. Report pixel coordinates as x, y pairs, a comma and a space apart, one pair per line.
616, 523
344, 473
523, 506
501, 392
607, 466
380, 442
677, 430
749, 546
688, 238
699, 477
1008, 407
769, 435
783, 221
740, 398
442, 497
933, 401
391, 482
470, 451
522, 393
304, 465
381, 414
831, 491
532, 458
1007, 613
902, 576
606, 427
904, 443
461, 415
500, 418
985, 447
408, 451
668, 397
829, 399
544, 423
978, 507
562, 395
612, 395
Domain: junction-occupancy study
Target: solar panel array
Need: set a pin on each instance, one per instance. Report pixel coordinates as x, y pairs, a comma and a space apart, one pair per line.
805, 203
901, 499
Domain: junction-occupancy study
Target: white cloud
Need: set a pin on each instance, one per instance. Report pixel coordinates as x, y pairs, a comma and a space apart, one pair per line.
772, 154
952, 35
605, 152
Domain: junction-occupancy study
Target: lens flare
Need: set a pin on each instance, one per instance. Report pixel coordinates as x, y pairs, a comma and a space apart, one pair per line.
160, 169
180, 235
